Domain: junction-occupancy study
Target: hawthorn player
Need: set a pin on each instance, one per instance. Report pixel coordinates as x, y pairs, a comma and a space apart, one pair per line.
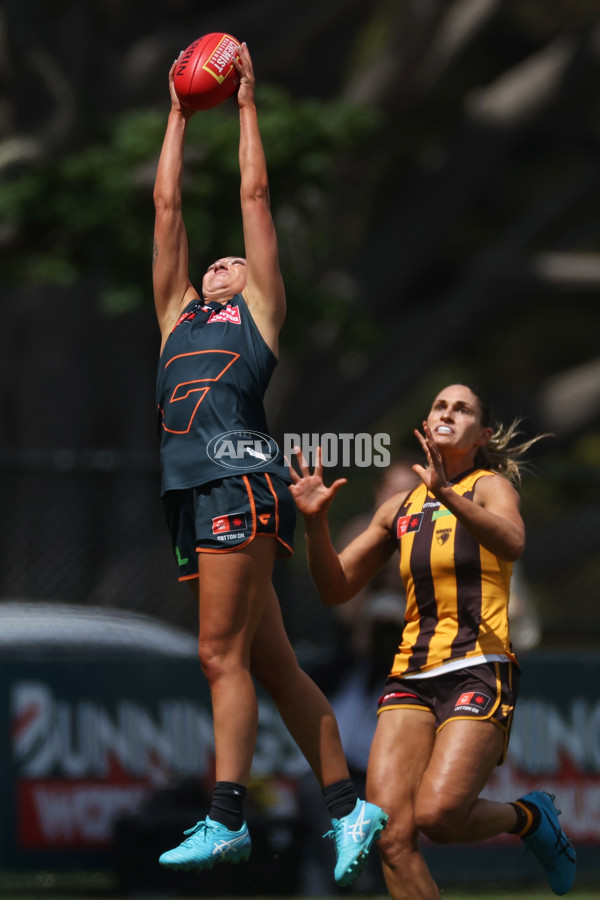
218, 351
445, 711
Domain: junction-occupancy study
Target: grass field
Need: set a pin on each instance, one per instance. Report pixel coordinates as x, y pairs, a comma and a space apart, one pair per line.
447, 894
97, 886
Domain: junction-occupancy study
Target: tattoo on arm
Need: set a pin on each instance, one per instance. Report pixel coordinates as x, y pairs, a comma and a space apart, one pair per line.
154, 253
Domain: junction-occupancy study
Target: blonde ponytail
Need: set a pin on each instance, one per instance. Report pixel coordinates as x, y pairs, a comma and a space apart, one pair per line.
501, 455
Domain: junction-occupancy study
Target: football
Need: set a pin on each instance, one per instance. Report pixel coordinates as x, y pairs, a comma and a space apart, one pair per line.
205, 74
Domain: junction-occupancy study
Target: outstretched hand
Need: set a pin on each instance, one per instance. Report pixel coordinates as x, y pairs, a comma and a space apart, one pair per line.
243, 64
176, 104
310, 494
434, 475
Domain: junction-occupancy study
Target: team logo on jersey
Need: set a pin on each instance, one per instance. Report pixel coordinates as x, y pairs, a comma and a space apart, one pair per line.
473, 701
230, 314
442, 535
407, 524
232, 522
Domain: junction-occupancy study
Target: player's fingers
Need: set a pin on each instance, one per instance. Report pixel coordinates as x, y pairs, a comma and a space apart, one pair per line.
319, 463
340, 482
420, 438
301, 461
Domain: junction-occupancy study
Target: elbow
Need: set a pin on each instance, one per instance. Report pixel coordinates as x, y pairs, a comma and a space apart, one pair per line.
165, 203
336, 594
517, 552
257, 192
332, 594
513, 550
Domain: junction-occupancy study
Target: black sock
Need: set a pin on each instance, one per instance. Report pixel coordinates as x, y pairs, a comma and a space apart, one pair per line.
528, 818
227, 804
340, 798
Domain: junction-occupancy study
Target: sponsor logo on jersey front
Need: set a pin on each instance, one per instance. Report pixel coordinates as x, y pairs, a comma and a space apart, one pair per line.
229, 314
407, 524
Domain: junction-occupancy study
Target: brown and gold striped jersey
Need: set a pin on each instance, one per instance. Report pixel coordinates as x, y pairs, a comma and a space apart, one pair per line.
456, 591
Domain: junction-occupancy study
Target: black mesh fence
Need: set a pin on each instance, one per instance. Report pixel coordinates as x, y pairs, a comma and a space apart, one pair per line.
89, 528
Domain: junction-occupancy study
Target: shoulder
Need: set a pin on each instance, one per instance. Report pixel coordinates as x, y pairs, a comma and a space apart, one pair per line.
491, 485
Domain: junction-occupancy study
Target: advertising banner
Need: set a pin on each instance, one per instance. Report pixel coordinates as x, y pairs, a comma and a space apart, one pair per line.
84, 743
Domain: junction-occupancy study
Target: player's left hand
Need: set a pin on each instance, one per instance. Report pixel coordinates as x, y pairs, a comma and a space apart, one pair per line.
243, 64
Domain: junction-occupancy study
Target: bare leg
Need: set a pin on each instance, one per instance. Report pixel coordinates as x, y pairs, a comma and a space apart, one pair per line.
413, 776
233, 590
400, 753
304, 709
449, 809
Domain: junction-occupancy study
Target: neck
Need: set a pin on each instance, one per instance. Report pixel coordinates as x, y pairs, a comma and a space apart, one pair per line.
215, 298
456, 465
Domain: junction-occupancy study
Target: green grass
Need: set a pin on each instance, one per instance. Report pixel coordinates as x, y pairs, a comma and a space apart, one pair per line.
103, 886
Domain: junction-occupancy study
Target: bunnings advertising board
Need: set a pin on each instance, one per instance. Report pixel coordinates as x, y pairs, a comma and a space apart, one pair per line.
82, 744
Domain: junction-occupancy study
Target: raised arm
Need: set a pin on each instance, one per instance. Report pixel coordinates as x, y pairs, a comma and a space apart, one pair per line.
170, 275
338, 576
264, 292
493, 517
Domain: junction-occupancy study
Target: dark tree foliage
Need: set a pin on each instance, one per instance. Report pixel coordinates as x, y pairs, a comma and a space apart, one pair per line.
434, 172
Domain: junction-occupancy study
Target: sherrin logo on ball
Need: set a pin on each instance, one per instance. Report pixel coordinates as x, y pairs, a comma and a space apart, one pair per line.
205, 75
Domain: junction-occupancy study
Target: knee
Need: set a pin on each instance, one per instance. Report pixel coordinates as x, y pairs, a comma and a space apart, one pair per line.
398, 840
437, 821
215, 661
208, 660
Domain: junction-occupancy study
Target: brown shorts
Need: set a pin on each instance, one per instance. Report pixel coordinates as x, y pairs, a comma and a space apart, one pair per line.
487, 692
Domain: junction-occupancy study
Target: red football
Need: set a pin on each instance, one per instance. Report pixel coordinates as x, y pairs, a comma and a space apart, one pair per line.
205, 75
